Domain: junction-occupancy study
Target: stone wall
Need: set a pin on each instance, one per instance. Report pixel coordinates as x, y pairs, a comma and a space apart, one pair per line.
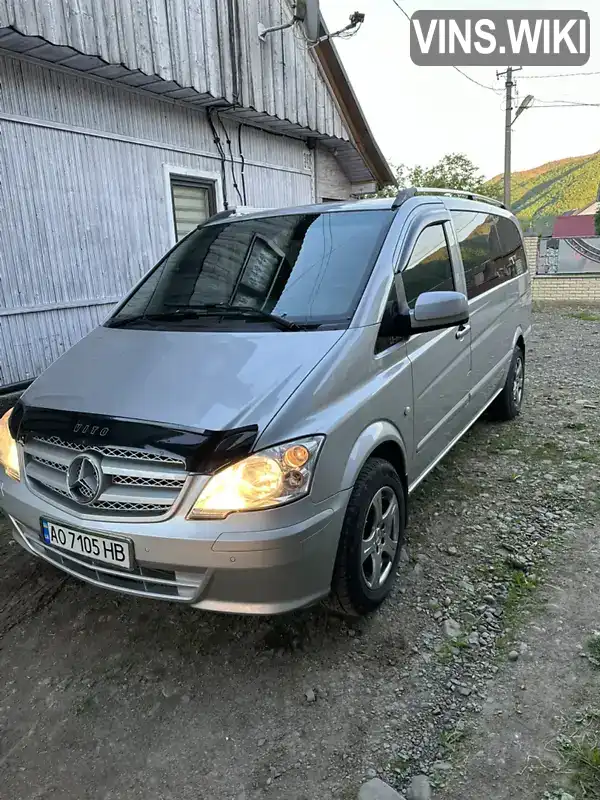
560, 288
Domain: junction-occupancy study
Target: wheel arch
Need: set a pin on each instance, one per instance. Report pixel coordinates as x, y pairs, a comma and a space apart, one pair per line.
379, 440
519, 339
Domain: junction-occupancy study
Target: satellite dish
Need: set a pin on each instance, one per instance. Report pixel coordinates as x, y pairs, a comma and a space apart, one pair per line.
307, 11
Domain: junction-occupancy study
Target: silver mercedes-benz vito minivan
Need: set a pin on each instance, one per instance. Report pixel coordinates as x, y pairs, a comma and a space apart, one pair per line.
243, 432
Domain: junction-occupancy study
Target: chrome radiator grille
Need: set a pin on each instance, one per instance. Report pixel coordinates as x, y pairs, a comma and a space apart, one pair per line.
120, 480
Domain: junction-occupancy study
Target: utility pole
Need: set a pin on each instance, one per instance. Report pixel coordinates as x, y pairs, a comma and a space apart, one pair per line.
508, 136
509, 84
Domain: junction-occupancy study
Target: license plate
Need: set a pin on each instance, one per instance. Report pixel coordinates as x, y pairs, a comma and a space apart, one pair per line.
117, 552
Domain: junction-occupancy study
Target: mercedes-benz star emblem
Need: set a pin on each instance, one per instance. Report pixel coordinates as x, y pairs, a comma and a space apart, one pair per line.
85, 479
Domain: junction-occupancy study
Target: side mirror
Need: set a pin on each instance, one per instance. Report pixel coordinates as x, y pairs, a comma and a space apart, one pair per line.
433, 312
437, 310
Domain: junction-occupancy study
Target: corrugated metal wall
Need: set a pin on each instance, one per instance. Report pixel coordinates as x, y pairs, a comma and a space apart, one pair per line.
85, 202
211, 46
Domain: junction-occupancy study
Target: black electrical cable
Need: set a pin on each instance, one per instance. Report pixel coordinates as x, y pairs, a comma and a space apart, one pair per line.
221, 152
560, 75
460, 72
232, 162
243, 160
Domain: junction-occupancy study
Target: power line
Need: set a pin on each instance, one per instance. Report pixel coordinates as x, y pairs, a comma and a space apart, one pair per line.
464, 74
562, 75
563, 101
469, 78
568, 105
397, 4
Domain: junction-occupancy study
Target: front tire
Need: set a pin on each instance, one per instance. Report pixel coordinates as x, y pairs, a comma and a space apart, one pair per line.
370, 542
508, 404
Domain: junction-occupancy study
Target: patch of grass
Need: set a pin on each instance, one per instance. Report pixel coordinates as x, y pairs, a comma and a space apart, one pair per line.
586, 316
582, 754
520, 591
588, 715
519, 588
399, 764
446, 652
588, 457
547, 451
593, 648
451, 739
465, 489
509, 440
452, 647
579, 748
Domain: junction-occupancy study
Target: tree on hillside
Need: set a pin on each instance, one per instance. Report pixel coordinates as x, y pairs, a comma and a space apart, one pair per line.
597, 221
454, 171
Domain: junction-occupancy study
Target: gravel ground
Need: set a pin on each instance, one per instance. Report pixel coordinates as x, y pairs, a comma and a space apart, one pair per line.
111, 697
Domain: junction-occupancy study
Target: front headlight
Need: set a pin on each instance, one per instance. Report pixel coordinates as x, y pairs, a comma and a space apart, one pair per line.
9, 458
263, 480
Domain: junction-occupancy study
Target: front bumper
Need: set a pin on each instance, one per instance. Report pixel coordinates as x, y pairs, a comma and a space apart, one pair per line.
263, 562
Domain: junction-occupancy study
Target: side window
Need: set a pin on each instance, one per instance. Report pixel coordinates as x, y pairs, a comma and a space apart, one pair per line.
491, 248
429, 268
511, 246
477, 245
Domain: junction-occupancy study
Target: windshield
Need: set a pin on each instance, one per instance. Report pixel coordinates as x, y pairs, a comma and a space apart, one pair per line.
308, 269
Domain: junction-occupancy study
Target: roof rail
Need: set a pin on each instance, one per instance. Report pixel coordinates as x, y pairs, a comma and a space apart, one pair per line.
236, 211
405, 194
229, 212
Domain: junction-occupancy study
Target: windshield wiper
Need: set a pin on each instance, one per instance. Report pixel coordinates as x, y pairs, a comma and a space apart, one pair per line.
210, 309
250, 311
159, 316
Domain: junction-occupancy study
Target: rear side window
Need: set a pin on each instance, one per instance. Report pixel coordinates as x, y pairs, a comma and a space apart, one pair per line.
429, 268
491, 248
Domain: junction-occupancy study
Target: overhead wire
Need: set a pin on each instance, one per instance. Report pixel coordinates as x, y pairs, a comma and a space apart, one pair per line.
561, 75
494, 89
561, 101
483, 85
568, 105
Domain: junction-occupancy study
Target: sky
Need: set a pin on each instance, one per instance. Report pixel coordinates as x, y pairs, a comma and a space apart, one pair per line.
419, 114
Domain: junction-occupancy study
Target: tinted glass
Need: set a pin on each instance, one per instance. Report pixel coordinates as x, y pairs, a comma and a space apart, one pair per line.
491, 248
392, 309
307, 268
429, 268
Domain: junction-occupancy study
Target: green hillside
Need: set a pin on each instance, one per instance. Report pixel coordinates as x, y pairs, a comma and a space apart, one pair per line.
541, 194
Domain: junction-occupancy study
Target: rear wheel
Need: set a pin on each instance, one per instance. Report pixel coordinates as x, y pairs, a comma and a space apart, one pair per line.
370, 542
508, 403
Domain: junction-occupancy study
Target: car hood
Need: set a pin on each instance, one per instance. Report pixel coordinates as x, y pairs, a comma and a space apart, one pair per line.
203, 380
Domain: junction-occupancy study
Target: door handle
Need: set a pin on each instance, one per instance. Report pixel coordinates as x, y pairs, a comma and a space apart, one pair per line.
463, 331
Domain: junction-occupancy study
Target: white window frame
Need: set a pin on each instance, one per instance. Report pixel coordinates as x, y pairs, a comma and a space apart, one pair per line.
171, 171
